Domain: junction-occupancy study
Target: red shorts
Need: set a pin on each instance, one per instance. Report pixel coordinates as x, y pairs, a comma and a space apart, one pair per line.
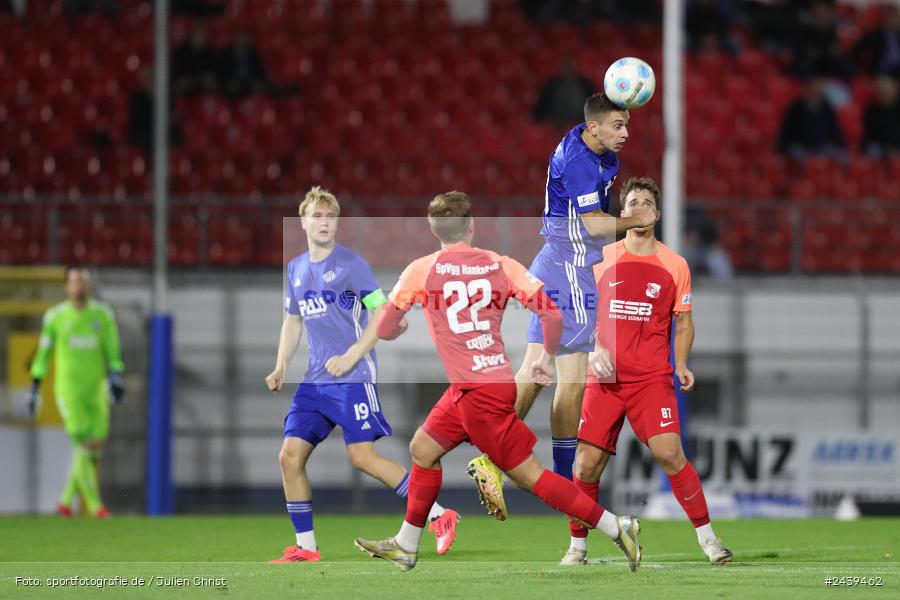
484, 416
651, 408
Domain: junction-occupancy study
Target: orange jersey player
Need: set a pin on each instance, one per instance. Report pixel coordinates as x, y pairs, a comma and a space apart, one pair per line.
464, 291
642, 285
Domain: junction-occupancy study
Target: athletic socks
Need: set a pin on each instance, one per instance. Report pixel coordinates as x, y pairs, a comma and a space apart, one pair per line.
300, 512
402, 490
705, 533
87, 480
71, 487
689, 493
564, 496
424, 486
609, 525
591, 490
564, 455
408, 537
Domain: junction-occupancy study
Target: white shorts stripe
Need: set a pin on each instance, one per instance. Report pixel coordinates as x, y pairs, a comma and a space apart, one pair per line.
576, 294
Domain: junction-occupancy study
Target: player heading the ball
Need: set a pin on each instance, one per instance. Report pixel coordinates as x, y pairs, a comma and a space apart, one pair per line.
576, 224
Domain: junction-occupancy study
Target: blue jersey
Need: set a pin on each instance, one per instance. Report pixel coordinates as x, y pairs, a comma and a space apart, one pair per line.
578, 180
331, 297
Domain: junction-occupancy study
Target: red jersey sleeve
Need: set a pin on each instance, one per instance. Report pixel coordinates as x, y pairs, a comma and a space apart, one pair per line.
681, 273
410, 288
522, 284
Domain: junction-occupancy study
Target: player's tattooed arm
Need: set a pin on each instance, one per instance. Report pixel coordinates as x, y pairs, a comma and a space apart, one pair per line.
601, 224
684, 339
291, 330
342, 364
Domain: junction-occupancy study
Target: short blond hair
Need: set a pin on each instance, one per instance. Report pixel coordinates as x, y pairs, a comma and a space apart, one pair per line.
317, 196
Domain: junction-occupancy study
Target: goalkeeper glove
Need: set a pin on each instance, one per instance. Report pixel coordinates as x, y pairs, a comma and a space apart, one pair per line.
34, 398
116, 388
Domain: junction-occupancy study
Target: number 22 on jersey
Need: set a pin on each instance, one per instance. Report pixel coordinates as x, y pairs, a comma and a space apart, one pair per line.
463, 294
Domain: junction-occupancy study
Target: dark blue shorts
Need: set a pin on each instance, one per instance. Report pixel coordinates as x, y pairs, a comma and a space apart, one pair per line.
574, 290
317, 408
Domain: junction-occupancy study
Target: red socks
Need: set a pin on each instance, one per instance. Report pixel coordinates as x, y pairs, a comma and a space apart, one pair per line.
688, 491
563, 495
592, 491
424, 486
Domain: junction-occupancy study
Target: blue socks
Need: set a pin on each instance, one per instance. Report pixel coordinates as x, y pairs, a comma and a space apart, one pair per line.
301, 515
402, 488
564, 456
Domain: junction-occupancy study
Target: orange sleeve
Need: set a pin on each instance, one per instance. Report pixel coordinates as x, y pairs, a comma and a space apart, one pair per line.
410, 288
522, 284
681, 273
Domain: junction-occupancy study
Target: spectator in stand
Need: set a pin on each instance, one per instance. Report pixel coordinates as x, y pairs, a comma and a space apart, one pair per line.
708, 24
775, 23
243, 71
582, 12
140, 116
561, 100
705, 254
76, 8
195, 64
199, 8
810, 126
881, 124
817, 50
878, 51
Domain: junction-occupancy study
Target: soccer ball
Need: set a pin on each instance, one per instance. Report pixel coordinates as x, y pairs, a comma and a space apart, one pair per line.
629, 82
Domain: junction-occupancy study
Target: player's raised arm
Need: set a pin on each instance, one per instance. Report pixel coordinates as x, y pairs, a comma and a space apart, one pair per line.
600, 224
580, 181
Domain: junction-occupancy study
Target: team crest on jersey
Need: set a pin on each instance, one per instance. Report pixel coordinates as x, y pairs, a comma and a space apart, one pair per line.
296, 282
653, 290
329, 276
96, 325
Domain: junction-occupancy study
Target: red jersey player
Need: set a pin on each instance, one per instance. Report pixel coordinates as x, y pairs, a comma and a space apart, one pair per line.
642, 284
464, 292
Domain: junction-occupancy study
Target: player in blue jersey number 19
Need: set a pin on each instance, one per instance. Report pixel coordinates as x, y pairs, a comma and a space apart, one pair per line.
330, 289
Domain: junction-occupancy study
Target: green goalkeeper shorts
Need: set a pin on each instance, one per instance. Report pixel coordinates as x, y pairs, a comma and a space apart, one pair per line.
86, 419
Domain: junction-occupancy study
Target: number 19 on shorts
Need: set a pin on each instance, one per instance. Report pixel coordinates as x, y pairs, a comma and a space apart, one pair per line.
361, 411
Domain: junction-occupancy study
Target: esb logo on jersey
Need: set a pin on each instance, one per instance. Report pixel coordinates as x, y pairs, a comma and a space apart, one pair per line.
629, 308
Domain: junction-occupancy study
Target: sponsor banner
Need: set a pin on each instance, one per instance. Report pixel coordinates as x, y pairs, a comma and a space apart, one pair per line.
767, 472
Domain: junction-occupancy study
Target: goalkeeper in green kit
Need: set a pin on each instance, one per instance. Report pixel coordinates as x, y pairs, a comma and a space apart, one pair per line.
83, 335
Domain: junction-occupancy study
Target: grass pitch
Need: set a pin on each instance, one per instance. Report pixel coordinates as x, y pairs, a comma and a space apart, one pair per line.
225, 557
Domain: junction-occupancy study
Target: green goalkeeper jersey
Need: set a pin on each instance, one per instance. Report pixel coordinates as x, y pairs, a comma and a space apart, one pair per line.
86, 344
